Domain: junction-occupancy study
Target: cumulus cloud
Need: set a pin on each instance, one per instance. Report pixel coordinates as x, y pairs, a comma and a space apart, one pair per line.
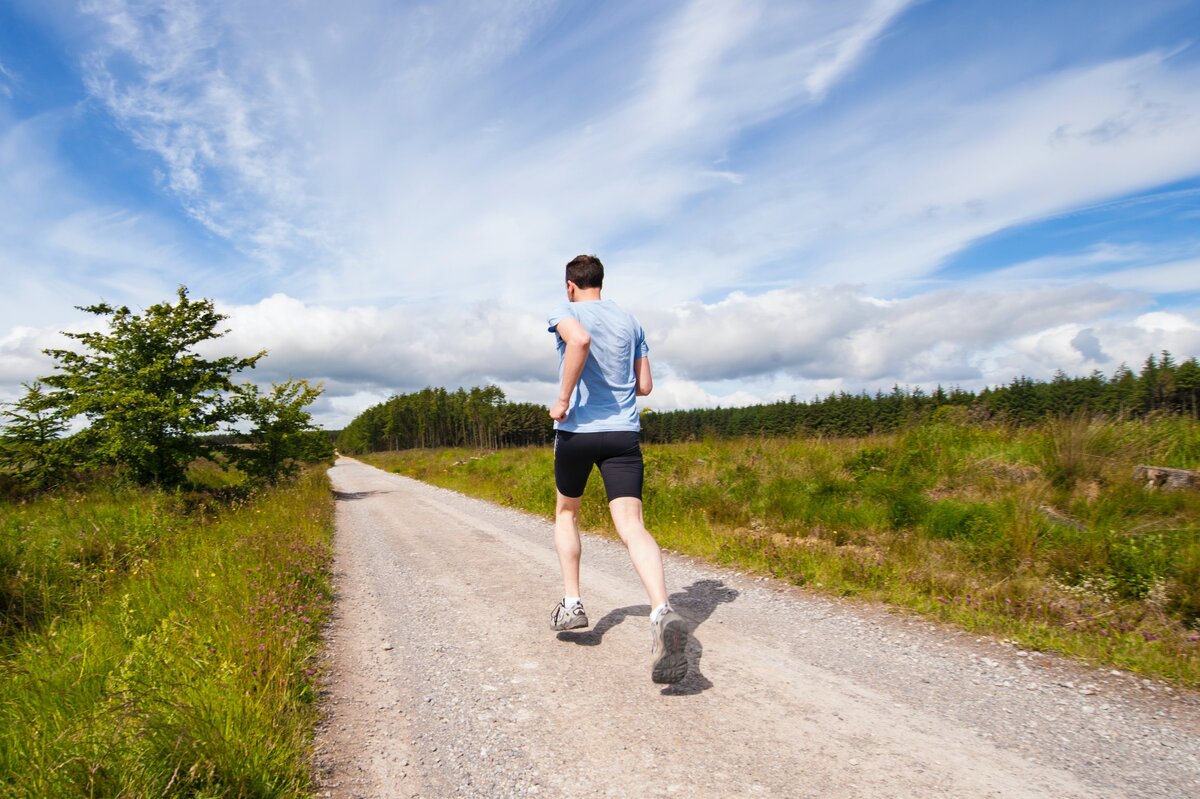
844, 332
21, 358
394, 349
1087, 345
737, 351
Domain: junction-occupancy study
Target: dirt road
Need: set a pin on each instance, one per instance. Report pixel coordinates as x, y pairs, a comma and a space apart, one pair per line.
445, 680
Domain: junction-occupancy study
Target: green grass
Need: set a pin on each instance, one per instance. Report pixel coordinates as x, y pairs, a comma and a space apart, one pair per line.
1038, 535
161, 644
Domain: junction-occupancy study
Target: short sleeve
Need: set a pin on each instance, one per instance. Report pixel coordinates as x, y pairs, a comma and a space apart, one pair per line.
640, 348
560, 313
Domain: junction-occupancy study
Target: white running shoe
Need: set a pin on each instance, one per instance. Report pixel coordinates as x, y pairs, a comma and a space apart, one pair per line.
668, 658
568, 618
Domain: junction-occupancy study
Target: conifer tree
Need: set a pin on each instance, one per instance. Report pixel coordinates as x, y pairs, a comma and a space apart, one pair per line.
32, 447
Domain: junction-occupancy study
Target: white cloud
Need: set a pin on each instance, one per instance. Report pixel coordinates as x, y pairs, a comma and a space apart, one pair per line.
842, 332
742, 350
671, 393
849, 46
21, 358
7, 79
60, 246
399, 348
1164, 278
170, 74
1040, 354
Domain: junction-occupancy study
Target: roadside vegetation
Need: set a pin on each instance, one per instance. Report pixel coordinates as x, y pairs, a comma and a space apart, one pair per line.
1039, 534
160, 644
164, 569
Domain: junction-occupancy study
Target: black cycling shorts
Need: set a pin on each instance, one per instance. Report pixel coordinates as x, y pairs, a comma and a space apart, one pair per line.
618, 454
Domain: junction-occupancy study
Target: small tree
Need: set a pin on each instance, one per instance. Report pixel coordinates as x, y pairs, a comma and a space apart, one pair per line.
148, 396
283, 433
32, 447
1187, 384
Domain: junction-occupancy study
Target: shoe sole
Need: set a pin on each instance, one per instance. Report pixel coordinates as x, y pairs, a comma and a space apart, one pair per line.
671, 666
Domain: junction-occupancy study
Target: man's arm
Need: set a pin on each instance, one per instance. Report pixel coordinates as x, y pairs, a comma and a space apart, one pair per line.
643, 382
578, 343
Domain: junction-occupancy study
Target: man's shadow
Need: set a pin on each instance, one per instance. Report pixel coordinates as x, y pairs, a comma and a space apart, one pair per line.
695, 603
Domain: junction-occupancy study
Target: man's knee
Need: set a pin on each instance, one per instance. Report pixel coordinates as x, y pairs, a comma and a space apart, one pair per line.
569, 505
626, 512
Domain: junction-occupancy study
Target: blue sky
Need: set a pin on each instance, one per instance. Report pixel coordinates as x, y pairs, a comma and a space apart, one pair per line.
795, 198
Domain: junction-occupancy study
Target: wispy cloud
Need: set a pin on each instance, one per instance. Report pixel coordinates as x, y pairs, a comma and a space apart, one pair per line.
7, 80
887, 191
848, 45
61, 246
291, 154
173, 76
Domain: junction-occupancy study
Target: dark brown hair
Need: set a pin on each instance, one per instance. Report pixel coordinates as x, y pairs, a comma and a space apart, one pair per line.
586, 271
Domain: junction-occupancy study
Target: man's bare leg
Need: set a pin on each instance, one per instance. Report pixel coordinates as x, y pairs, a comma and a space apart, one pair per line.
643, 549
566, 542
668, 654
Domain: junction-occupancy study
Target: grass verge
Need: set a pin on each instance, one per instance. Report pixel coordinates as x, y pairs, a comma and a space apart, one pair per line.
162, 644
1037, 535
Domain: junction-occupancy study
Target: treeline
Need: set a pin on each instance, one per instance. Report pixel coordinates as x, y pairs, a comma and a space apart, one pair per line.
1163, 386
481, 417
435, 417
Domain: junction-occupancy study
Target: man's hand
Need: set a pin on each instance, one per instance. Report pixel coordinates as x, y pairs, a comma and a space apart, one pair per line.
558, 411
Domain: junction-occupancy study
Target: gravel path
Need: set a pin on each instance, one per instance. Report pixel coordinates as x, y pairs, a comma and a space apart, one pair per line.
445, 680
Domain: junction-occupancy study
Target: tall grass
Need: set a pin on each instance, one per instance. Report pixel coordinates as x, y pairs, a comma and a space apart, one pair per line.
1040, 535
156, 646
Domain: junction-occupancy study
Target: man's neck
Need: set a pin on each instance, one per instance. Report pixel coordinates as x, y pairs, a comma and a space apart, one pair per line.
586, 295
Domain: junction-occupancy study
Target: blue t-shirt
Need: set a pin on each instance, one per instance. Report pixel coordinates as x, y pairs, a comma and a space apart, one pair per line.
605, 398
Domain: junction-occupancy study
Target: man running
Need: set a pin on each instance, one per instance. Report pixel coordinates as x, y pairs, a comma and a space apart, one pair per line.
603, 368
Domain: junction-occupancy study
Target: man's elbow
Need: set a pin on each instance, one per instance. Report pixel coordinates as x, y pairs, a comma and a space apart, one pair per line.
644, 389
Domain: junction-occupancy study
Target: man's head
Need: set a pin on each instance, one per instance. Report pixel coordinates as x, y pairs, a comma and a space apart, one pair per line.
586, 272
